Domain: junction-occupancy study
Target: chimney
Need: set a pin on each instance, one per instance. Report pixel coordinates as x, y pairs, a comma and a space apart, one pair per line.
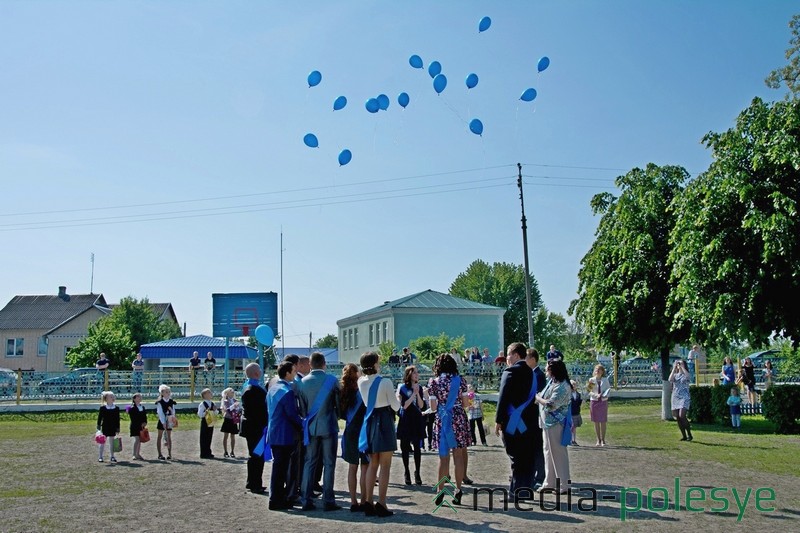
62, 293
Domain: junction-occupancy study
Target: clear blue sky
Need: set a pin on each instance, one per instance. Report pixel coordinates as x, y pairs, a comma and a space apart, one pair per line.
113, 114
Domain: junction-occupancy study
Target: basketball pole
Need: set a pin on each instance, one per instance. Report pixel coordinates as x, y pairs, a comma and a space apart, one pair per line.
226, 361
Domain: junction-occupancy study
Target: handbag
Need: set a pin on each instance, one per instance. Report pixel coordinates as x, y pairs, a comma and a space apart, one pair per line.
117, 445
144, 435
173, 421
209, 418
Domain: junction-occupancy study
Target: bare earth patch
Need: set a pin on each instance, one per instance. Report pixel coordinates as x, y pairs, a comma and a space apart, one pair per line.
58, 485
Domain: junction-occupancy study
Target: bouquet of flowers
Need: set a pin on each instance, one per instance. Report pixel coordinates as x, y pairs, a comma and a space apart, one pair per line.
236, 412
99, 438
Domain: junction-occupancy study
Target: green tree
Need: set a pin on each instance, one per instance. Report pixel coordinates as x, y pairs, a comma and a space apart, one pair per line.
624, 278
385, 350
501, 285
104, 336
428, 348
328, 341
144, 324
548, 328
789, 74
736, 242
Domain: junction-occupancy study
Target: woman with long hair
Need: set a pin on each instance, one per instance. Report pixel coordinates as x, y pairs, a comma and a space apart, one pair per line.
679, 377
769, 374
599, 388
352, 410
448, 398
728, 373
410, 427
377, 437
554, 417
750, 379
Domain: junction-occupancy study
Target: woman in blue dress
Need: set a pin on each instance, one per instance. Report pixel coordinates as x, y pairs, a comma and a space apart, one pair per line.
728, 373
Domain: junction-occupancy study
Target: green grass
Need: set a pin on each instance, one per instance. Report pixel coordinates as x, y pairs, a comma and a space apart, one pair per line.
28, 426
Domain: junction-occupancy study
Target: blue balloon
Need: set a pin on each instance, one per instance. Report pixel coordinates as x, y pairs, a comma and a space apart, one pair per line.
415, 61
372, 105
265, 335
544, 62
311, 141
403, 100
383, 102
476, 126
434, 69
344, 157
314, 78
439, 83
339, 103
484, 24
529, 95
472, 80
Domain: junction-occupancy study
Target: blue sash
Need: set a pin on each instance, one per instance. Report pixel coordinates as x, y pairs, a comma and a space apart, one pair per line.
447, 437
566, 436
327, 387
515, 422
351, 414
254, 383
363, 442
262, 448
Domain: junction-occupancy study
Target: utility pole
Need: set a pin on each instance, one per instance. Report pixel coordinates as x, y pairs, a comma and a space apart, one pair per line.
283, 342
525, 258
91, 283
309, 343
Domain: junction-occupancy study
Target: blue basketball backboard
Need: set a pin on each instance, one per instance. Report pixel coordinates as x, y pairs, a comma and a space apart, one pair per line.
238, 314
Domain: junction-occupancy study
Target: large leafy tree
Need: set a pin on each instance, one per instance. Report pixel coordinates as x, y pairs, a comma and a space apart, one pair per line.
328, 341
501, 285
549, 328
624, 278
121, 333
790, 73
736, 241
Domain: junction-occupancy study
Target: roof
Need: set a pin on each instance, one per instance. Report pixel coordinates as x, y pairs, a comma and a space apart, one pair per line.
331, 354
182, 348
429, 299
47, 311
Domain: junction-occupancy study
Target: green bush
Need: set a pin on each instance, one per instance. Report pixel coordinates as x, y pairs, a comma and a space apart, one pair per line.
780, 405
700, 409
719, 403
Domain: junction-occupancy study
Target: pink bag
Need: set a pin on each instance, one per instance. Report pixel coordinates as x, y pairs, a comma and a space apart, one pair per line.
99, 438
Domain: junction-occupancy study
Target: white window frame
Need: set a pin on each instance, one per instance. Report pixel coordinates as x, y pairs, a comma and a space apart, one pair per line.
17, 345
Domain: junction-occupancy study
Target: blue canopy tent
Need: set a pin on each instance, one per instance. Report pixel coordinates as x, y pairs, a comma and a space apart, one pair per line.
182, 348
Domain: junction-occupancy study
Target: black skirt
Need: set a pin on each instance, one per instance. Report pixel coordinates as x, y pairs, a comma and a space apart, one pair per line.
381, 435
229, 426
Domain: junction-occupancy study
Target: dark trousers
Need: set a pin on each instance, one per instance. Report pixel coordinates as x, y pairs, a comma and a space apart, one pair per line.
518, 448
206, 434
295, 475
479, 422
281, 457
538, 455
320, 450
255, 464
429, 420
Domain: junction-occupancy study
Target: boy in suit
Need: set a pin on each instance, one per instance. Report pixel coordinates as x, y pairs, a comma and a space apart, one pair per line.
284, 427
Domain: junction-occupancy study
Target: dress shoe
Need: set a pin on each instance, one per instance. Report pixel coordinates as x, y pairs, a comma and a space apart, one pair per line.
368, 508
466, 481
309, 506
277, 506
457, 497
417, 478
331, 507
356, 508
408, 478
382, 511
257, 490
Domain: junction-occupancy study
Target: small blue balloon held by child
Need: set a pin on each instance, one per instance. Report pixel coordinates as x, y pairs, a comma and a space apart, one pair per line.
735, 403
108, 423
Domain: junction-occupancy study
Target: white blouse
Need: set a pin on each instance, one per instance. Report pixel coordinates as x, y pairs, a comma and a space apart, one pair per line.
604, 387
386, 395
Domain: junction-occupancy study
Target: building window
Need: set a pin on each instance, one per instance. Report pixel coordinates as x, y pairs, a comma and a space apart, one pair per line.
371, 335
350, 340
15, 347
42, 346
385, 331
356, 337
377, 333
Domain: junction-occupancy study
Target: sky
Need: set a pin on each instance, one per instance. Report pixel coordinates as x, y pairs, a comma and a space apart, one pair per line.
167, 139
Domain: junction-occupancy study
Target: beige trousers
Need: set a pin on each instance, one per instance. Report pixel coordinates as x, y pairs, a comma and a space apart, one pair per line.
556, 459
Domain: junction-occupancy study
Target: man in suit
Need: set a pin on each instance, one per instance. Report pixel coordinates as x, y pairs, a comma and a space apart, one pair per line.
319, 405
254, 420
532, 358
516, 420
285, 426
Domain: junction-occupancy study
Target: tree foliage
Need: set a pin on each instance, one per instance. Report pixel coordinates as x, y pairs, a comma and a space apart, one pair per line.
548, 328
789, 74
328, 341
430, 347
624, 278
736, 242
501, 285
121, 333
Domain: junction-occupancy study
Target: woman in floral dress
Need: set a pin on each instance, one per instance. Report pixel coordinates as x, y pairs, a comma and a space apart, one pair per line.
454, 434
680, 397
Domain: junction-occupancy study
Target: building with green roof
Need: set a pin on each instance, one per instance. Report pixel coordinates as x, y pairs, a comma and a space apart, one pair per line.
419, 315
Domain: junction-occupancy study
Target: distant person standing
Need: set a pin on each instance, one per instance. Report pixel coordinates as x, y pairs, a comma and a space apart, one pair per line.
195, 366
254, 420
137, 367
679, 377
554, 355
599, 389
749, 379
728, 373
284, 429
691, 360
769, 374
209, 364
500, 360
410, 426
102, 363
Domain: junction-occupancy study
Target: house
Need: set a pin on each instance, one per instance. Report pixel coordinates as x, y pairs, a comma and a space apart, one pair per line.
37, 331
418, 315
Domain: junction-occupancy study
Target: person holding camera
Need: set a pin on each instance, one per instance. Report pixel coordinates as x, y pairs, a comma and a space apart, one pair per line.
679, 377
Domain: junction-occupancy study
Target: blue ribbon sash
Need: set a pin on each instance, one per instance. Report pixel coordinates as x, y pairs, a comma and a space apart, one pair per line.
447, 436
363, 442
322, 395
566, 436
275, 395
253, 383
515, 422
351, 413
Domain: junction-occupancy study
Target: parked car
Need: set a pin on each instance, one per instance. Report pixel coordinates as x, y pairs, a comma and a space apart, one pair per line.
86, 381
8, 382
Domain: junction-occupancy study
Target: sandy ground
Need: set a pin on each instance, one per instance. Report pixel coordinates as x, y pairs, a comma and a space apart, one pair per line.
60, 486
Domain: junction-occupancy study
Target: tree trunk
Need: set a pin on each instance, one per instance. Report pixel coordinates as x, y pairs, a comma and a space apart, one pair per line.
666, 386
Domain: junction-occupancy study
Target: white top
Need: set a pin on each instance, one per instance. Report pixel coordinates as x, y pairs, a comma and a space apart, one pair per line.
604, 387
204, 406
386, 395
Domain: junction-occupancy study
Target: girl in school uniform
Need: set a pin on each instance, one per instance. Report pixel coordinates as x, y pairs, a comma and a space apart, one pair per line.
165, 409
232, 415
108, 423
138, 415
378, 427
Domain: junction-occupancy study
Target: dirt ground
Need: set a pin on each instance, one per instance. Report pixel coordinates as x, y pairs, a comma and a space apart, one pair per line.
60, 486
